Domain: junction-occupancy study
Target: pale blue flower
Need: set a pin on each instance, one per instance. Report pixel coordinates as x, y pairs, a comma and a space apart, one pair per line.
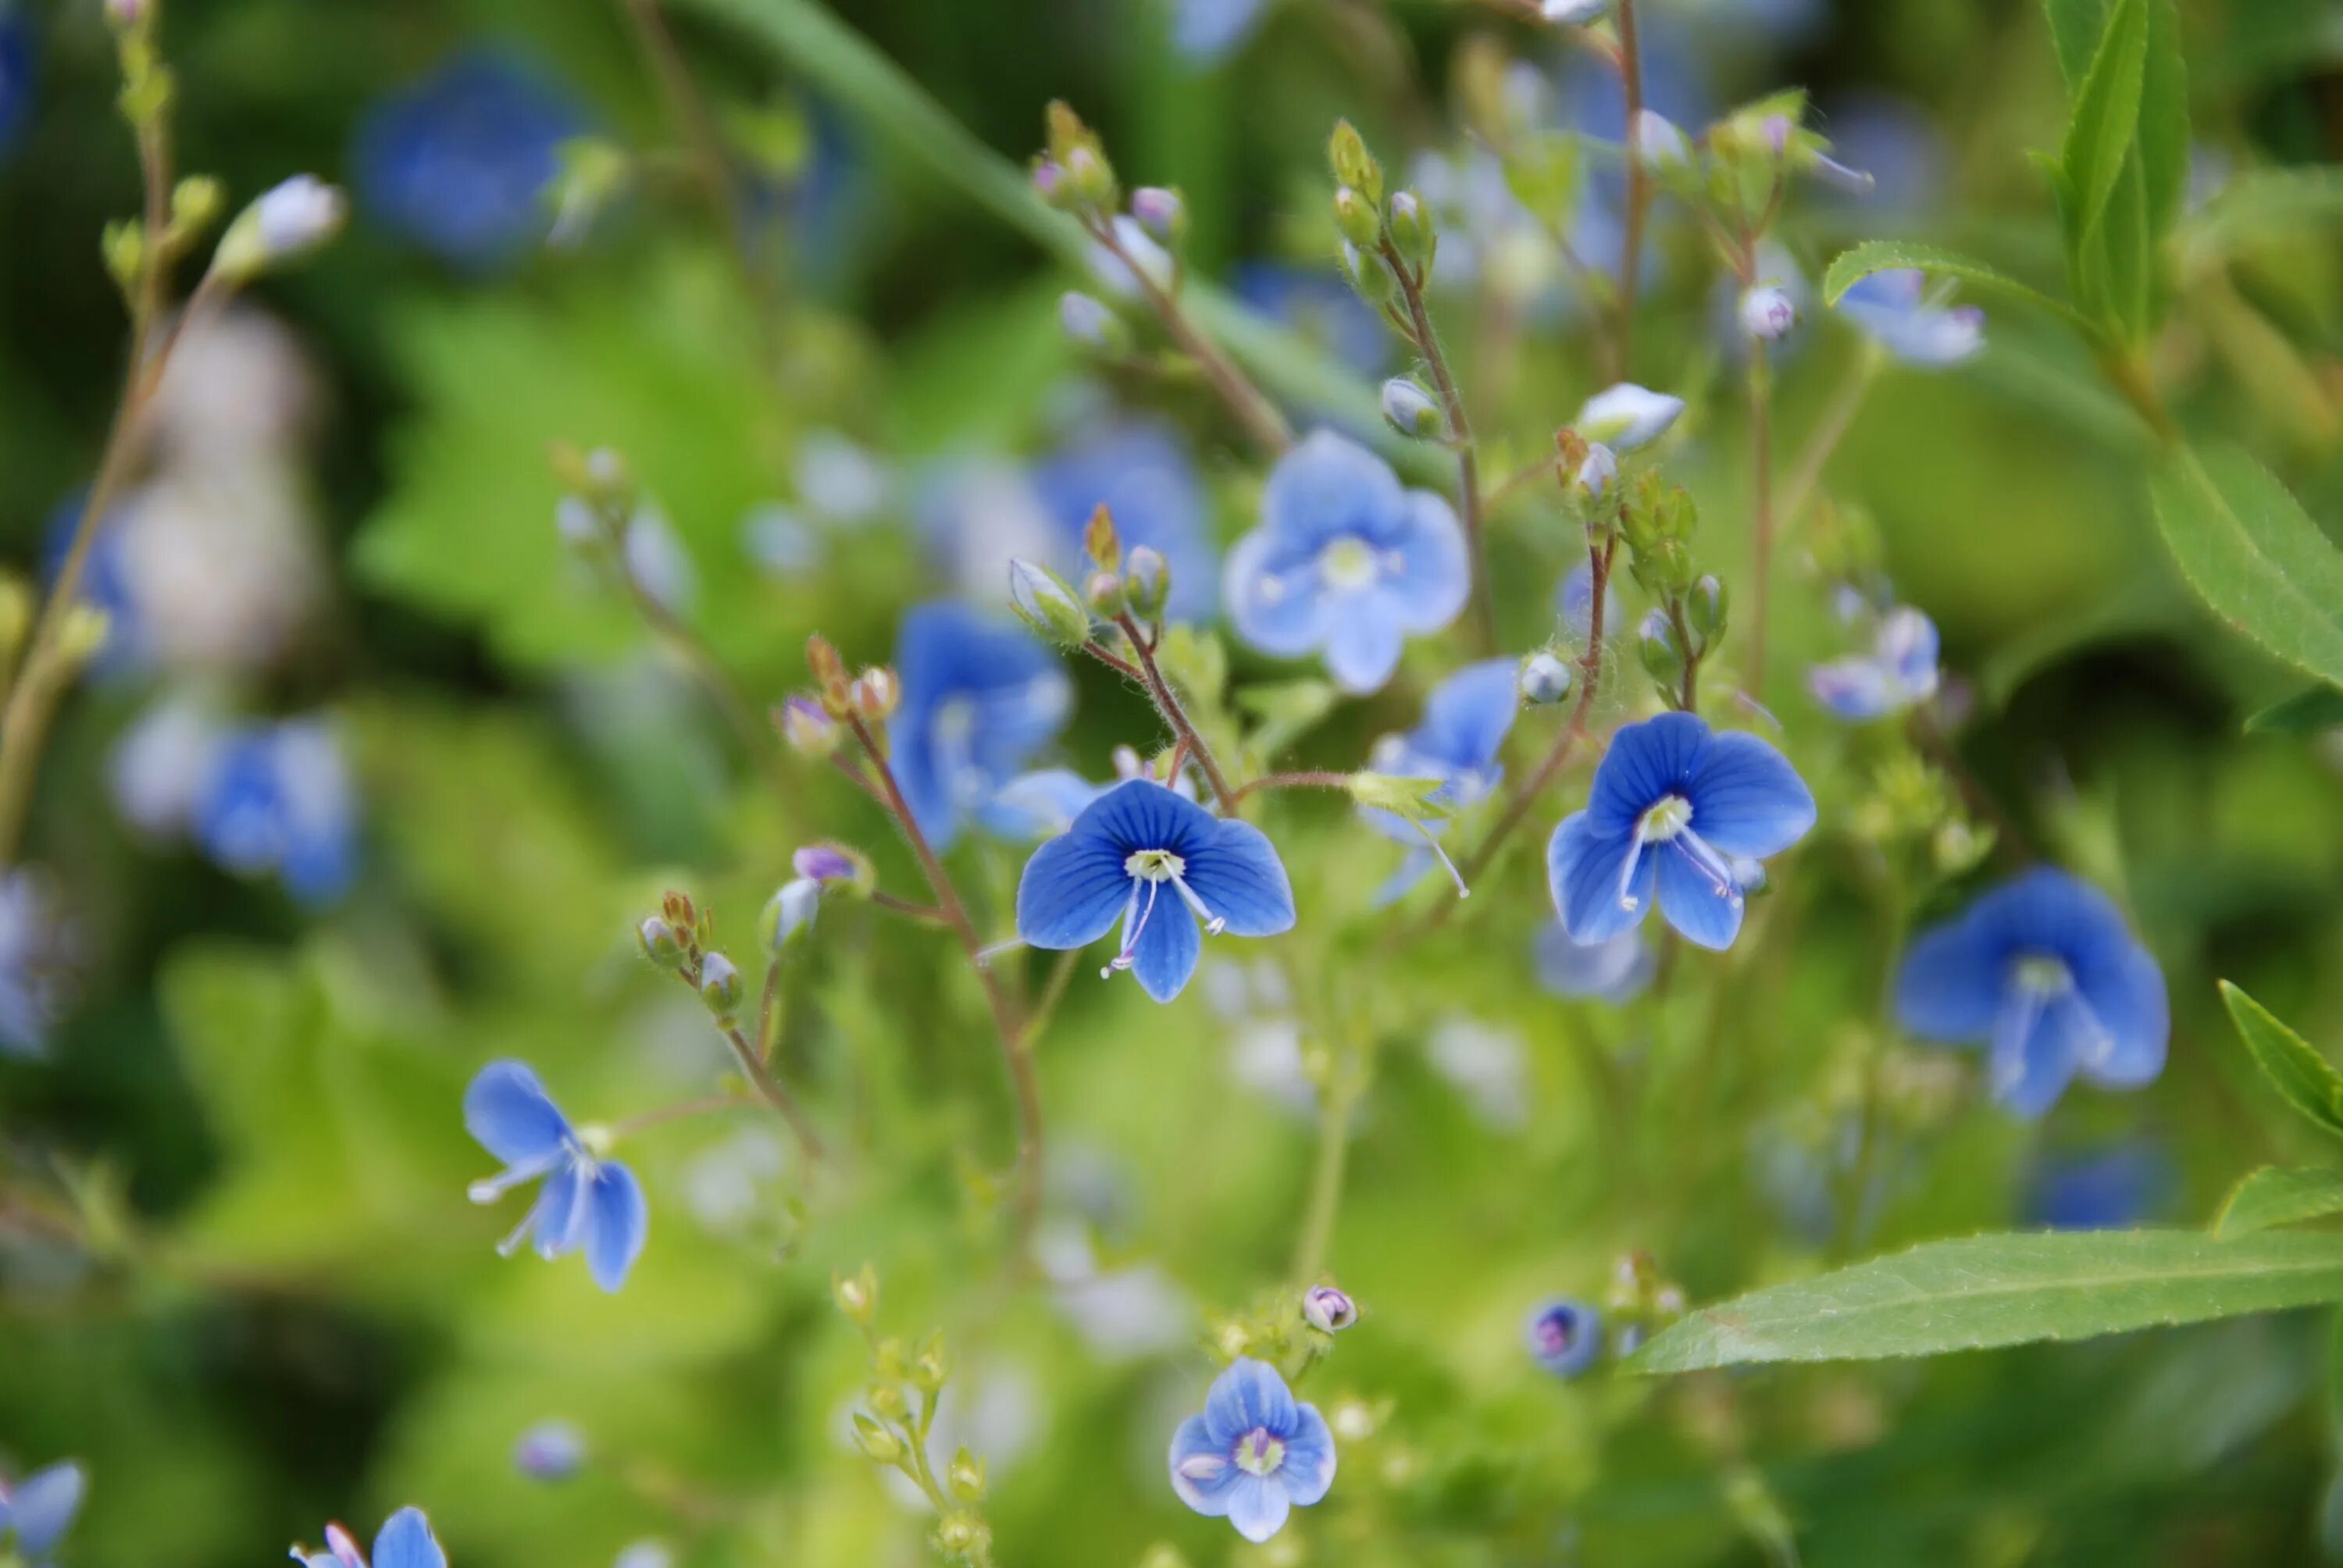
1321, 306
460, 163
1899, 672
1614, 971
278, 800
2109, 1189
589, 1200
37, 1510
1458, 742
1891, 309
406, 1542
1564, 1336
1208, 31
981, 695
1254, 1455
1626, 416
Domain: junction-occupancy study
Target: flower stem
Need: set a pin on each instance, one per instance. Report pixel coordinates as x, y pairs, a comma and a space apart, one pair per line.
1313, 780
1761, 441
772, 1091
1829, 431
1168, 704
1326, 1173
1247, 402
643, 1121
1426, 340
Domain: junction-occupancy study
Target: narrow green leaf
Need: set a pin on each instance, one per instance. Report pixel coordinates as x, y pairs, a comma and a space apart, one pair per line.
2258, 206
2004, 1290
2164, 119
1886, 255
2074, 29
2250, 551
2273, 1196
2304, 713
2307, 1080
2106, 121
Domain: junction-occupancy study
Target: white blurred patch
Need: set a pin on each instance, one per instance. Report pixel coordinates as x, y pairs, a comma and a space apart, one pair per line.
1489, 1067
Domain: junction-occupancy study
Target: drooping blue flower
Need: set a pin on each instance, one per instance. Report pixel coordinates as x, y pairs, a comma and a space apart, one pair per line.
981, 695
18, 56
1465, 721
1137, 854
1898, 673
278, 799
1255, 1455
2043, 971
1345, 561
459, 163
2109, 1189
1142, 474
1891, 309
406, 1542
39, 1510
1615, 970
1208, 31
1320, 304
1674, 806
1564, 1336
589, 1200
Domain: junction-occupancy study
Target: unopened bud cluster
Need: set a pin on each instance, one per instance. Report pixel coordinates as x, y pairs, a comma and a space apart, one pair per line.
898, 1410
1387, 246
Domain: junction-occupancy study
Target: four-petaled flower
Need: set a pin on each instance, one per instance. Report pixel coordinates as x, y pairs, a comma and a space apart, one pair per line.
1899, 672
1891, 309
404, 1542
1255, 1455
2043, 971
1674, 806
39, 1510
979, 698
1136, 854
1346, 561
589, 1201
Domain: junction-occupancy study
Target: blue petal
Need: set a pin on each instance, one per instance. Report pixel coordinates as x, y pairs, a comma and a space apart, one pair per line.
1238, 875
1038, 805
1435, 573
1287, 619
1164, 955
1250, 1396
618, 1224
407, 1542
2034, 1051
1746, 799
1309, 1468
1951, 983
984, 674
1909, 646
1582, 872
1614, 971
44, 1504
1071, 891
1328, 487
1206, 31
1468, 716
1856, 689
1363, 647
1708, 913
2126, 995
1140, 814
558, 1213
1646, 763
508, 1110
1215, 1474
1142, 472
1258, 1506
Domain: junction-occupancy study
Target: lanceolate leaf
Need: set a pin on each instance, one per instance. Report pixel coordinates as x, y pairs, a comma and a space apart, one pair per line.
2272, 1196
1886, 255
2106, 119
2254, 556
2004, 1290
2164, 118
2307, 1080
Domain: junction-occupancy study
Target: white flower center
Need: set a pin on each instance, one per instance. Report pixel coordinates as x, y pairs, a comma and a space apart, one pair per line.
1154, 865
1665, 820
2044, 975
1348, 564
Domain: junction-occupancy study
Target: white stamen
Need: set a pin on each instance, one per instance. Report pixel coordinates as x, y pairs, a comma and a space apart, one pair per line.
984, 956
1433, 844
1213, 924
1627, 866
1123, 960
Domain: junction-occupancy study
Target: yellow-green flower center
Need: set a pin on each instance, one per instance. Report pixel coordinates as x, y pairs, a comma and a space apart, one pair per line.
1258, 1453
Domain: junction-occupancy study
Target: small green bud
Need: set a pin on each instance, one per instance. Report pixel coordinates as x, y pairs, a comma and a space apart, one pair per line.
125, 249
1354, 166
1091, 178
1104, 593
960, 1533
1161, 213
876, 694
1704, 611
877, 1440
719, 985
1656, 644
1355, 218
1409, 409
857, 1294
888, 1401
195, 203
810, 731
660, 944
933, 1367
1101, 542
1368, 274
1413, 234
283, 226
1045, 602
965, 1476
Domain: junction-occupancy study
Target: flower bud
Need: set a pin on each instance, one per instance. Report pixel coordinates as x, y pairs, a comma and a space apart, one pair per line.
1409, 409
719, 985
1767, 312
1045, 601
1100, 540
1329, 1309
283, 226
857, 1294
934, 1369
1368, 274
810, 731
195, 203
1355, 218
1563, 1337
660, 944
1050, 182
550, 1450
1574, 13
828, 676
885, 1398
1704, 611
828, 863
1659, 143
1103, 592
1627, 416
1656, 644
960, 1533
124, 246
1090, 179
1413, 234
1147, 582
877, 1440
876, 693
1161, 213
579, 524
789, 912
965, 1476
1089, 323
1596, 473
1545, 677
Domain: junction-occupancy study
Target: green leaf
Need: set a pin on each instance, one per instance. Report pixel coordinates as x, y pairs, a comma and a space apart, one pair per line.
2106, 121
2304, 713
2164, 119
2258, 206
1886, 255
2003, 1290
2307, 1080
2074, 29
1285, 711
2272, 1196
2250, 551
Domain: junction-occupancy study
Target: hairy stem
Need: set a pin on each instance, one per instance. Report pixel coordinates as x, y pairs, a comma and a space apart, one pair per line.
771, 1089
1459, 434
1247, 402
1167, 703
1310, 780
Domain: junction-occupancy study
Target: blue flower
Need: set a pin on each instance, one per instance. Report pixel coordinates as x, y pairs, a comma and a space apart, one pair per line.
2109, 1189
39, 1510
1208, 31
1255, 1455
1321, 305
1141, 473
1465, 721
461, 162
1899, 672
589, 1200
17, 57
2042, 970
979, 698
550, 1450
1673, 808
1615, 970
1345, 561
406, 1542
1891, 309
277, 798
1563, 1337
1127, 856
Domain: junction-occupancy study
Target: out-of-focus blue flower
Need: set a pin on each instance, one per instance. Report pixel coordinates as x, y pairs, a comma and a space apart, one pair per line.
1563, 1337
550, 1450
1465, 721
1891, 309
1673, 807
646, 1554
2110, 1188
406, 1542
1255, 1455
1574, 599
1626, 416
979, 698
18, 56
587, 1200
1898, 673
39, 1510
1127, 858
1141, 473
2044, 972
278, 798
1321, 306
1346, 561
459, 162
36, 961
1208, 31
1615, 970
104, 581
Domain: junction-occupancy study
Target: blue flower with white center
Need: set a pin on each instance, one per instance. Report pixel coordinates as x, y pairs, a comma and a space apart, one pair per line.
278, 799
1563, 1337
1465, 721
1674, 806
2043, 971
1142, 474
1320, 304
1345, 561
1614, 971
588, 1199
39, 1510
17, 57
1898, 673
1255, 1455
979, 697
1165, 868
406, 1542
1208, 31
1891, 309
461, 162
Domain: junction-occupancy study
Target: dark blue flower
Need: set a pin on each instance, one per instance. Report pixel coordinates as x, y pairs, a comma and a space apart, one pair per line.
1673, 808
18, 56
1616, 972
1899, 671
1255, 1455
1563, 1337
1321, 305
979, 698
459, 163
2044, 972
1137, 854
1891, 309
39, 1510
1142, 474
2109, 1189
406, 1542
1347, 560
277, 798
589, 1200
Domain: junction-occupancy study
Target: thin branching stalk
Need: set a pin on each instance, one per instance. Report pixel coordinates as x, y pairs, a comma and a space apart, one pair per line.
1167, 703
1426, 340
1251, 405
